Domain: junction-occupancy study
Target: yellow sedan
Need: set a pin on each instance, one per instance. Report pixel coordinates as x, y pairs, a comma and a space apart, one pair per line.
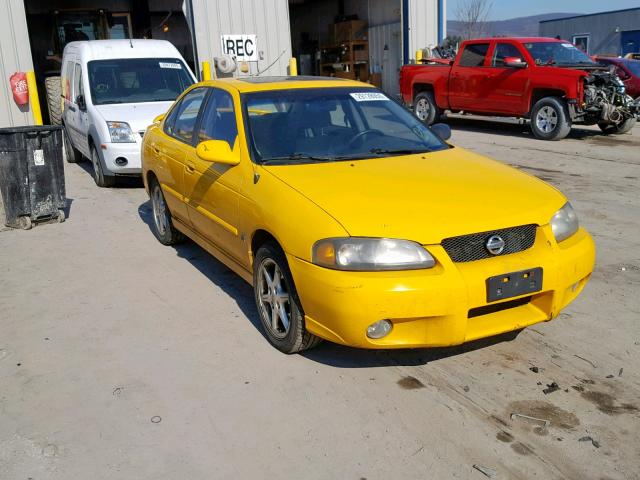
355, 222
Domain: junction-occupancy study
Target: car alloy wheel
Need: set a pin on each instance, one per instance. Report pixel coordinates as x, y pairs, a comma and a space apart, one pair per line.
547, 119
273, 298
159, 210
423, 109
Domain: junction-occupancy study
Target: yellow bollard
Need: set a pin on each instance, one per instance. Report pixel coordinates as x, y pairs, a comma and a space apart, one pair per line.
34, 99
206, 71
419, 56
293, 67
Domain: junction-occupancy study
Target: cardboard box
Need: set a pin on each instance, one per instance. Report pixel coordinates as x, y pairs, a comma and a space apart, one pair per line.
349, 75
361, 55
351, 30
376, 79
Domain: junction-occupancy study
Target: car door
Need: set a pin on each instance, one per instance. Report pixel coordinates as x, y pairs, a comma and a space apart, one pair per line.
505, 86
82, 116
212, 188
467, 82
72, 112
170, 149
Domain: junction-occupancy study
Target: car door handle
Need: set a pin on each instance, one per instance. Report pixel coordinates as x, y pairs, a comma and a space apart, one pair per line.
190, 167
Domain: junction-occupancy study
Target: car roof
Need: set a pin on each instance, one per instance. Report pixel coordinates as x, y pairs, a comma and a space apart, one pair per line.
112, 49
520, 39
261, 84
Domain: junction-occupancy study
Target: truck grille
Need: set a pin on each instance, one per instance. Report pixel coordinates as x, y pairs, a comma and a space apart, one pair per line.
468, 248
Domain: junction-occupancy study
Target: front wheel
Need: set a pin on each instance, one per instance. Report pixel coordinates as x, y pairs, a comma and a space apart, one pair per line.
618, 129
550, 119
278, 304
71, 154
99, 177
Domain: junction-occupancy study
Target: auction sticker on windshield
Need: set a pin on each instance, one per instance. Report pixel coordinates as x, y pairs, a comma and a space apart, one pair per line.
175, 66
369, 97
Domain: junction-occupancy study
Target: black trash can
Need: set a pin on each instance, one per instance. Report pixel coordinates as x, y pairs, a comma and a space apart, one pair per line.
32, 174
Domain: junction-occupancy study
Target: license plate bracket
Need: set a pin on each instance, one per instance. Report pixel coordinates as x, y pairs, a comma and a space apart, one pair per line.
513, 284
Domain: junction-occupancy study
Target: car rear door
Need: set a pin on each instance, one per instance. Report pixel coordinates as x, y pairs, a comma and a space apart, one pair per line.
467, 80
504, 87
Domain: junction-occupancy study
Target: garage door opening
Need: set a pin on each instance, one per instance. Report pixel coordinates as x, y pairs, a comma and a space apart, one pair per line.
54, 23
355, 39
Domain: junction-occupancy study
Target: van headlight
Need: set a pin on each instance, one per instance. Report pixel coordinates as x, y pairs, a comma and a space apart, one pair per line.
371, 254
564, 223
120, 132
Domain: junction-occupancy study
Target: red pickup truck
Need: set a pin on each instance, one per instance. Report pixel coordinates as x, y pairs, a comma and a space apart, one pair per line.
548, 81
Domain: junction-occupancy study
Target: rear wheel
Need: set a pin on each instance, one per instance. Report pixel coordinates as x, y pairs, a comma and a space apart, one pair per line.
425, 108
278, 304
99, 177
163, 227
619, 129
550, 119
53, 87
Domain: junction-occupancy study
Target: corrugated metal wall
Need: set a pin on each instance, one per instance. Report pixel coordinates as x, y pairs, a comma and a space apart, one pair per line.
268, 19
423, 24
385, 52
15, 55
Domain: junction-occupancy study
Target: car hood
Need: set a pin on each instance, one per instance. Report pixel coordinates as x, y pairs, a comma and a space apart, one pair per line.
138, 115
424, 198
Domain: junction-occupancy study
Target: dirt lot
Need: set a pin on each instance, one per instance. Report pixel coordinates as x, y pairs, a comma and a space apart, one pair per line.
124, 359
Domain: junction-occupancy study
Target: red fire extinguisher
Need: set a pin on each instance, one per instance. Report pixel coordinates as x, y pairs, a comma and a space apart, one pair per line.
19, 88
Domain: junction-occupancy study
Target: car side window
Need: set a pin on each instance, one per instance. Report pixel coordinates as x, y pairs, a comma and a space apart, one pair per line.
219, 119
473, 55
502, 51
182, 119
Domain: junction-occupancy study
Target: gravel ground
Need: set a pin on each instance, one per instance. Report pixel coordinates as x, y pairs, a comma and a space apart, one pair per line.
121, 358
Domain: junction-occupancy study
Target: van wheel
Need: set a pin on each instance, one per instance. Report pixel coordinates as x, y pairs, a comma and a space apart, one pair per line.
163, 227
278, 304
550, 119
70, 153
619, 129
98, 174
53, 88
425, 108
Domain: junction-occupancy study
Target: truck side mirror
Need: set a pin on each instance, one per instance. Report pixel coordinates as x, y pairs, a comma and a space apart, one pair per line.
514, 62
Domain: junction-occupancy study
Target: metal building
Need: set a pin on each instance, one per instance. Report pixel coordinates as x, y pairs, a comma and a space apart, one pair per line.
276, 30
613, 33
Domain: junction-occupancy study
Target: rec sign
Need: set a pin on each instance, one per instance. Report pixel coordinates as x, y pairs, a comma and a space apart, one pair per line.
241, 47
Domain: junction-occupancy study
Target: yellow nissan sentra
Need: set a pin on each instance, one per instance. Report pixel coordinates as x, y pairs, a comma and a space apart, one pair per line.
355, 222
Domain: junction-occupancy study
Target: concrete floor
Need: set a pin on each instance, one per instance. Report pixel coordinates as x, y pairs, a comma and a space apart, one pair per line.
124, 359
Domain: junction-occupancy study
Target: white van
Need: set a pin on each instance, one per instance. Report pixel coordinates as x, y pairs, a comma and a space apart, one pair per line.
112, 90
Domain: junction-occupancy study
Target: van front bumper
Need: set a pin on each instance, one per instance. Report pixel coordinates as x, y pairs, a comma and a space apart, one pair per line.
118, 151
441, 306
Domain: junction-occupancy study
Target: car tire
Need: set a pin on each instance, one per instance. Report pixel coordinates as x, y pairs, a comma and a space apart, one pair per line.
276, 298
550, 119
99, 177
619, 129
163, 227
53, 89
425, 108
71, 154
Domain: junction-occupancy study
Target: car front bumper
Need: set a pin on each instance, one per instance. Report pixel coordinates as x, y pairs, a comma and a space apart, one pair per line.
431, 308
129, 151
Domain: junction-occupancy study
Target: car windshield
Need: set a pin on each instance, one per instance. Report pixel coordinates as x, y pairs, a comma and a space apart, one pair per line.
320, 124
557, 53
137, 80
633, 66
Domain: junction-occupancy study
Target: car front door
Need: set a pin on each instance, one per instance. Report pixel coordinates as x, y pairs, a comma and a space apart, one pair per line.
505, 86
211, 188
72, 111
468, 78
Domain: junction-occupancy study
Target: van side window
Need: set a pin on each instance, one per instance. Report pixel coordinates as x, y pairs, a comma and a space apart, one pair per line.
182, 120
502, 51
219, 119
473, 55
77, 83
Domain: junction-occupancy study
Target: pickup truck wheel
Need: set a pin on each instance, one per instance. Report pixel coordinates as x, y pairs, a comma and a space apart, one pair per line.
278, 304
619, 129
550, 119
425, 108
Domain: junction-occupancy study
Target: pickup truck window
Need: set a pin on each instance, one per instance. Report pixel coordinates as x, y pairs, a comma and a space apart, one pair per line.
502, 51
473, 55
557, 53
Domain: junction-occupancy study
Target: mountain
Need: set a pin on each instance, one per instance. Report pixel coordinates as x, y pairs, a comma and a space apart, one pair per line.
520, 27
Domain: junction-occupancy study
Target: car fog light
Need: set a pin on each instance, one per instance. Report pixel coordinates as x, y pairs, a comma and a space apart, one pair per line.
379, 329
121, 161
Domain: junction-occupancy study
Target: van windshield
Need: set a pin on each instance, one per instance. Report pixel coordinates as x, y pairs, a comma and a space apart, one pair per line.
137, 80
331, 124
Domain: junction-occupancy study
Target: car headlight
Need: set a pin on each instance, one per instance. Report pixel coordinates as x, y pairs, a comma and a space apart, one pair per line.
564, 223
371, 254
120, 132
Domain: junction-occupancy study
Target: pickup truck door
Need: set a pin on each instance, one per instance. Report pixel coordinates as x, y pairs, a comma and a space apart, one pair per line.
505, 87
467, 84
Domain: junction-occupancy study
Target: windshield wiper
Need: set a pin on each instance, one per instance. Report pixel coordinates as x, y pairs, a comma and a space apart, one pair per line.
295, 157
400, 151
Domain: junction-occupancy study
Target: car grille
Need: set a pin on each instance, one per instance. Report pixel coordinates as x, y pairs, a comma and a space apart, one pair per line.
468, 248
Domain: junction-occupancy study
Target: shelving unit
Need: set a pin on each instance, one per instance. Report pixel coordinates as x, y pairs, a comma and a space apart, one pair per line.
349, 59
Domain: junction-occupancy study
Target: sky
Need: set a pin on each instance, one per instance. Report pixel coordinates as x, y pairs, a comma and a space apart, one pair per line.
505, 9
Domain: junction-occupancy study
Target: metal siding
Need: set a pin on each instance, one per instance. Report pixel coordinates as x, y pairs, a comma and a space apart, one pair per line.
423, 24
15, 55
389, 61
268, 19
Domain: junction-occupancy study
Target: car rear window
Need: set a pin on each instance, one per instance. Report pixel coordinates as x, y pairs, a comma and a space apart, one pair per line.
473, 55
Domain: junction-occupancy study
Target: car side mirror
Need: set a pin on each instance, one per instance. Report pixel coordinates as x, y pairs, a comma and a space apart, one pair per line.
159, 118
514, 62
218, 151
82, 105
442, 131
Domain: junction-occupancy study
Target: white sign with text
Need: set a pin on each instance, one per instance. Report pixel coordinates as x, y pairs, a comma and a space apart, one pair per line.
241, 47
